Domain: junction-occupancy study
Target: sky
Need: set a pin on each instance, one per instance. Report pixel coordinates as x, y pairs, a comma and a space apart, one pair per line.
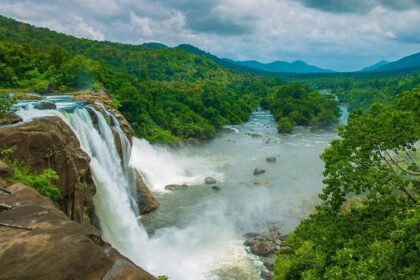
343, 35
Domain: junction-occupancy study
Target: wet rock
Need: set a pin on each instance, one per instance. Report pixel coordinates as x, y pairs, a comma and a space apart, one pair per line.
271, 159
253, 134
50, 143
45, 106
146, 201
250, 234
258, 171
5, 171
10, 118
269, 263
209, 180
52, 246
216, 188
261, 248
260, 182
192, 141
266, 275
173, 187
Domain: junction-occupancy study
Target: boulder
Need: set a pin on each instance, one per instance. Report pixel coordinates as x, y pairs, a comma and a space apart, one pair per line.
38, 241
269, 263
173, 187
146, 201
50, 143
44, 105
258, 171
261, 248
271, 159
209, 180
266, 275
10, 118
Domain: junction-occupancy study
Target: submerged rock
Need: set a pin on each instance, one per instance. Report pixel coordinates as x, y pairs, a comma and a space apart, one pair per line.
173, 187
258, 171
51, 246
216, 188
271, 159
209, 180
253, 134
44, 105
192, 141
260, 182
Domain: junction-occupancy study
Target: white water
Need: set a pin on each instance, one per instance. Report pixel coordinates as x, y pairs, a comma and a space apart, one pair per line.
114, 204
197, 233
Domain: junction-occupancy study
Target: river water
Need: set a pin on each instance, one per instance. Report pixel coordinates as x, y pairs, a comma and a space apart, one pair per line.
197, 233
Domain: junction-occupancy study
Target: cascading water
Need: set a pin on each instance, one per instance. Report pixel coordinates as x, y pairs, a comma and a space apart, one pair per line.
114, 180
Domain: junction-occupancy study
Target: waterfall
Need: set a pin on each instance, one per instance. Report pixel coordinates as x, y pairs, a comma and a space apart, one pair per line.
114, 202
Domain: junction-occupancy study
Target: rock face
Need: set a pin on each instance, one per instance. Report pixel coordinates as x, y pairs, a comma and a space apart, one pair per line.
258, 171
39, 242
209, 180
50, 143
146, 201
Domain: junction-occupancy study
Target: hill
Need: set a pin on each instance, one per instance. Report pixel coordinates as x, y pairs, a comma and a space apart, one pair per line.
281, 66
375, 66
405, 63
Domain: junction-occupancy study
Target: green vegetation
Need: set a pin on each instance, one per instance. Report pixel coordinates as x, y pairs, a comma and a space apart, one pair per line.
296, 104
368, 226
167, 94
43, 181
6, 103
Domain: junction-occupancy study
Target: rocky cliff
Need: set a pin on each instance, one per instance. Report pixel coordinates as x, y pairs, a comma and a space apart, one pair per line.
50, 143
38, 241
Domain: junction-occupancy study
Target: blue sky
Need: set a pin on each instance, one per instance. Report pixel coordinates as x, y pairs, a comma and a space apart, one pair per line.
341, 35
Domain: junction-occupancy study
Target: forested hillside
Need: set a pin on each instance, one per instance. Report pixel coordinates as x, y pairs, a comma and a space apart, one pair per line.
167, 94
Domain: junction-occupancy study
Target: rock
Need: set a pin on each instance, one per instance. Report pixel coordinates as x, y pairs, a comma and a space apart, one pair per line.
146, 201
10, 118
271, 159
253, 134
258, 171
285, 250
283, 237
5, 171
269, 263
266, 275
44, 105
209, 180
175, 187
250, 234
261, 248
260, 182
51, 246
216, 188
192, 141
50, 143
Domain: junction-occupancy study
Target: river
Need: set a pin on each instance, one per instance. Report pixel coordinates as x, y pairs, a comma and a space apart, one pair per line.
197, 233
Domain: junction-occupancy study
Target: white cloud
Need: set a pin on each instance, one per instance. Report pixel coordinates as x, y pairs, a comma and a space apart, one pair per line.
241, 29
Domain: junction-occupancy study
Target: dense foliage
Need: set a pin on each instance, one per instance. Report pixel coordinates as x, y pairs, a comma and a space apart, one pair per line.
369, 224
361, 90
43, 181
297, 104
167, 94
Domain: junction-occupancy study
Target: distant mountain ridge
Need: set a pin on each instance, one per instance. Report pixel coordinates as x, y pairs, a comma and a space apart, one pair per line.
297, 66
375, 66
405, 63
